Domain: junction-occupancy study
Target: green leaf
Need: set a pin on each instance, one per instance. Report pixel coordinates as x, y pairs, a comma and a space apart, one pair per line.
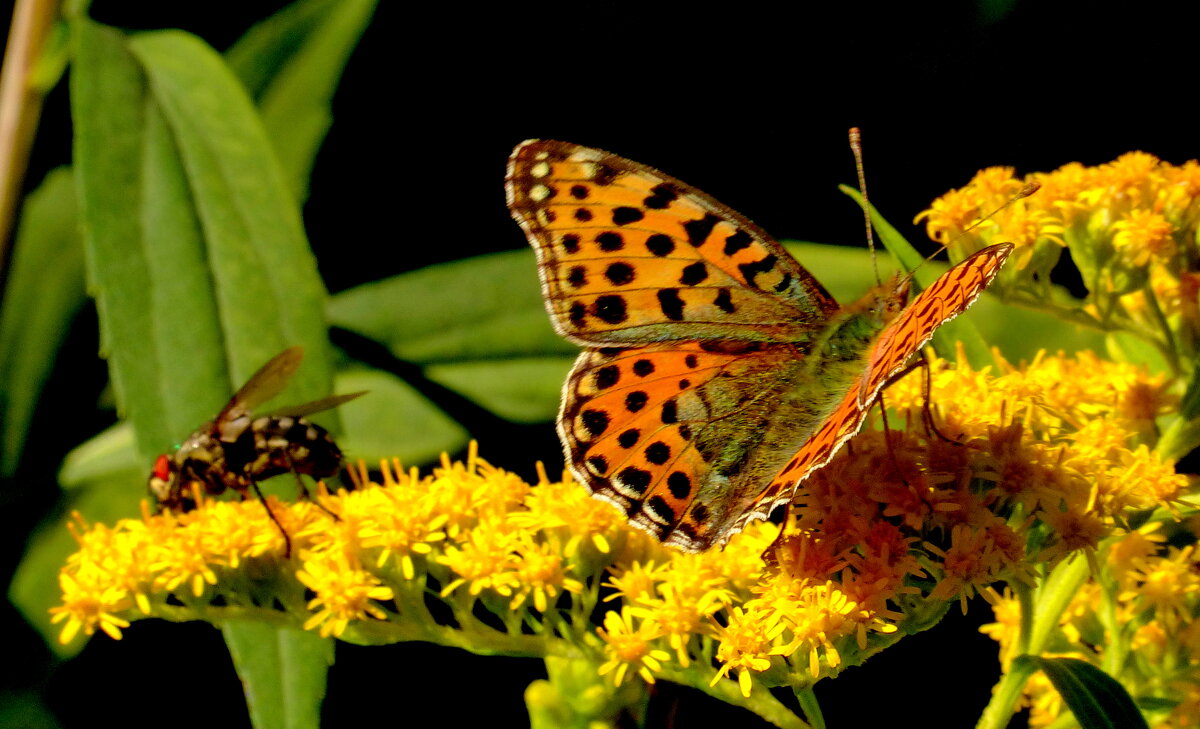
1094, 697
198, 261
425, 316
522, 389
291, 64
393, 421
284, 671
45, 291
196, 254
1189, 406
107, 456
494, 346
1127, 347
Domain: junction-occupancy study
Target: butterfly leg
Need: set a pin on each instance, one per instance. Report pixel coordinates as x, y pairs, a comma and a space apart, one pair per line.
287, 540
887, 438
770, 555
926, 408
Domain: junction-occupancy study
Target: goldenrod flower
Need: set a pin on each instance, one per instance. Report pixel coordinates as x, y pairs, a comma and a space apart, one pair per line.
745, 646
898, 526
343, 593
628, 647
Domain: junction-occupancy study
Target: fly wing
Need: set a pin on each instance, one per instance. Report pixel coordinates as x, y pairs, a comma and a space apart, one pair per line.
316, 406
263, 385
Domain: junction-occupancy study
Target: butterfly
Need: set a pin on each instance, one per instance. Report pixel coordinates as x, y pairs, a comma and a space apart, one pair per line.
717, 373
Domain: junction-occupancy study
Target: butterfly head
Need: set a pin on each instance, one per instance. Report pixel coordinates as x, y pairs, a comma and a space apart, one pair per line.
883, 303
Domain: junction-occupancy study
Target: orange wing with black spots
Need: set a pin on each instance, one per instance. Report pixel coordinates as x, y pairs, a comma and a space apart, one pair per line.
628, 254
681, 436
704, 394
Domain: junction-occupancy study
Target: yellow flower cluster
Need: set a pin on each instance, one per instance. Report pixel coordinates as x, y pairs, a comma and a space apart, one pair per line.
1129, 227
900, 526
1137, 623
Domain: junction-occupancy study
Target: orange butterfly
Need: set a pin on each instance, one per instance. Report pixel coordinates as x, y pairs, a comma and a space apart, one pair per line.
717, 373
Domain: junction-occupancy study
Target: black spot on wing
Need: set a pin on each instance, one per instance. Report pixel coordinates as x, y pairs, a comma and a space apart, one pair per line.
661, 197
610, 309
751, 270
693, 273
698, 230
625, 215
660, 244
610, 241
594, 421
736, 242
670, 304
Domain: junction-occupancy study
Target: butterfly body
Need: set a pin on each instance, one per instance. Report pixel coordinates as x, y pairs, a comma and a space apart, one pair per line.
717, 372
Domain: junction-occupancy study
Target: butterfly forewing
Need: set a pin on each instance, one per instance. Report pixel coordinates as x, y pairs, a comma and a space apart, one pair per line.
628, 254
947, 297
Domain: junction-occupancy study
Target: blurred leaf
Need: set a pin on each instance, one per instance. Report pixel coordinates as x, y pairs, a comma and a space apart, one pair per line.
45, 291
477, 308
107, 456
291, 64
522, 389
284, 671
1127, 347
393, 421
1094, 697
846, 271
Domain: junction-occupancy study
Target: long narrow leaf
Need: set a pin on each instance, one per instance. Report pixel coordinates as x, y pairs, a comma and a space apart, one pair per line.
298, 659
291, 64
45, 291
198, 262
1094, 697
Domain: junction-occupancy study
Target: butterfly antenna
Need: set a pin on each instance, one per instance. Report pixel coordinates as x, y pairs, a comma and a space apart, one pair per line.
856, 148
1023, 193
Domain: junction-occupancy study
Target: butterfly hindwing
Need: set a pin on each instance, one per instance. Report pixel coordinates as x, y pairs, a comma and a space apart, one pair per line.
682, 435
629, 255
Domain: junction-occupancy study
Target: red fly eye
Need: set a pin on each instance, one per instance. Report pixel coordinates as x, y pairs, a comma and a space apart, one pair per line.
162, 467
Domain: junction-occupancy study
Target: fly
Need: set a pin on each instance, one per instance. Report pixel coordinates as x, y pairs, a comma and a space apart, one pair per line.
237, 449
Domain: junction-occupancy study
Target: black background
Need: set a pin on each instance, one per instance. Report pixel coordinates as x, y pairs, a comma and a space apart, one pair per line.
748, 104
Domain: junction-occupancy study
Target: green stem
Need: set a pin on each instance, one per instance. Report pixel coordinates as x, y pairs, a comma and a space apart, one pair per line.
1025, 597
1004, 700
1170, 347
810, 706
1040, 612
1052, 599
1179, 439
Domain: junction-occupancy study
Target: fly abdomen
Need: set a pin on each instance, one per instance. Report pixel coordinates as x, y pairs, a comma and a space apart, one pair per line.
278, 444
